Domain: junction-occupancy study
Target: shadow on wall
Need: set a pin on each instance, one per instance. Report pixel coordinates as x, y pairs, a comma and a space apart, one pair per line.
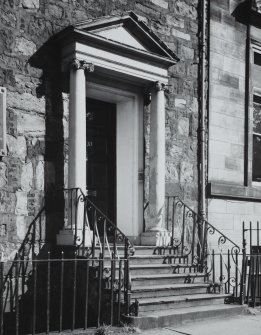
41, 234
51, 89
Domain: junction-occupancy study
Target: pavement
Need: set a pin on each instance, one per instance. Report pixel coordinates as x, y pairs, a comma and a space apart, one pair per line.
245, 324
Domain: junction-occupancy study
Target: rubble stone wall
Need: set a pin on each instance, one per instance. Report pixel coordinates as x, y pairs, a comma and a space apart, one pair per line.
37, 123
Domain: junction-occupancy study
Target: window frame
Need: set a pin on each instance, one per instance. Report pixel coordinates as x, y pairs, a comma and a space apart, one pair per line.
253, 90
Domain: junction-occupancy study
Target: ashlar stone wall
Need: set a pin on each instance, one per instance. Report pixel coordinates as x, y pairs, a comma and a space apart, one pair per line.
227, 119
37, 123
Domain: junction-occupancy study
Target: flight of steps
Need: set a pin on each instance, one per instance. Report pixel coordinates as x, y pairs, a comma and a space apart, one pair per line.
170, 294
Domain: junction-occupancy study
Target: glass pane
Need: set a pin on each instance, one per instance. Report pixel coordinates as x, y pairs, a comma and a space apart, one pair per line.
257, 114
257, 58
256, 158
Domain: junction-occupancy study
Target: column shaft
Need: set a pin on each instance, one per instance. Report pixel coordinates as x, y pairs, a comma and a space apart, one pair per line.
157, 159
155, 233
77, 130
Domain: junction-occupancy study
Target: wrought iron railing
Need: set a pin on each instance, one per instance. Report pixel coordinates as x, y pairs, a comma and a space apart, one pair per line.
54, 295
201, 246
96, 236
251, 265
251, 281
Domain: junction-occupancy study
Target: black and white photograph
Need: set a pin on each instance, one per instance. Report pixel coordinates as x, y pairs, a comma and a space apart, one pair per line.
130, 167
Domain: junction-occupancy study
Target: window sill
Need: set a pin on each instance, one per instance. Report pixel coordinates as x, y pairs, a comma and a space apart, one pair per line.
231, 191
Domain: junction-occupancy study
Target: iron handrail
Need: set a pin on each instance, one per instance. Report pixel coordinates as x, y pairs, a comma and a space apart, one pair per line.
209, 224
192, 239
100, 228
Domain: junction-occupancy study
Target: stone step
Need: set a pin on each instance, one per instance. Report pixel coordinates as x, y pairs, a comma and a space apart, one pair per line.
150, 269
164, 318
139, 250
177, 302
156, 291
165, 279
150, 260
156, 259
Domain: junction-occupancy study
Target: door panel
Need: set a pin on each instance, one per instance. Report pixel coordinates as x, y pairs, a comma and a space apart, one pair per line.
101, 154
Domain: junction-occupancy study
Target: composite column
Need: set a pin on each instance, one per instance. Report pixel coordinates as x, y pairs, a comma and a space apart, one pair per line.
72, 234
155, 233
77, 124
157, 157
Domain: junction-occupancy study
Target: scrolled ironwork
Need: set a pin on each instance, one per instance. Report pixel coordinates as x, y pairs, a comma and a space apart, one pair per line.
118, 284
186, 250
211, 230
176, 242
131, 249
195, 260
235, 250
106, 273
134, 308
120, 237
222, 240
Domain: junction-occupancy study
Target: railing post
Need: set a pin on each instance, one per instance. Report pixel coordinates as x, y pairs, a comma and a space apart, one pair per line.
236, 275
48, 294
17, 295
1, 298
183, 229
173, 220
61, 293
244, 269
214, 270
34, 261
202, 230
84, 226
74, 291
228, 272
127, 278
113, 265
86, 295
167, 213
100, 272
119, 294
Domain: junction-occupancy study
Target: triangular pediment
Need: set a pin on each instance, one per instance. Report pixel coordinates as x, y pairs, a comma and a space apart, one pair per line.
121, 35
127, 30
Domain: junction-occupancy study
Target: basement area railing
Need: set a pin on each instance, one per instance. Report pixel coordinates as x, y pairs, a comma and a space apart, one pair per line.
60, 294
85, 285
251, 273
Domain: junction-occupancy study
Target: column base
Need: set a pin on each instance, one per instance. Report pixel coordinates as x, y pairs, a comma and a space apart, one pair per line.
66, 237
157, 238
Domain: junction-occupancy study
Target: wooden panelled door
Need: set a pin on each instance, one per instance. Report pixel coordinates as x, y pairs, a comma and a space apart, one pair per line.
101, 154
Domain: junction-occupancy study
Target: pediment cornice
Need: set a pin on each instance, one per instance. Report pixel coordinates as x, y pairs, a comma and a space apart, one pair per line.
124, 35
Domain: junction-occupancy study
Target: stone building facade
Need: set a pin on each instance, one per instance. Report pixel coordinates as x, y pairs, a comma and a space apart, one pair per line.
36, 121
36, 159
234, 82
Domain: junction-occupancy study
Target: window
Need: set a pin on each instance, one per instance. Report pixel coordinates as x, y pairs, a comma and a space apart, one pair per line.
255, 127
256, 138
257, 58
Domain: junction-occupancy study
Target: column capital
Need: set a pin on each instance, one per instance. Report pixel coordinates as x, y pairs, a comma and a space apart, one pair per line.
158, 86
79, 64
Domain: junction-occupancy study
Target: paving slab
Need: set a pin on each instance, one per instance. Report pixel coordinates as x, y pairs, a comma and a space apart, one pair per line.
247, 324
